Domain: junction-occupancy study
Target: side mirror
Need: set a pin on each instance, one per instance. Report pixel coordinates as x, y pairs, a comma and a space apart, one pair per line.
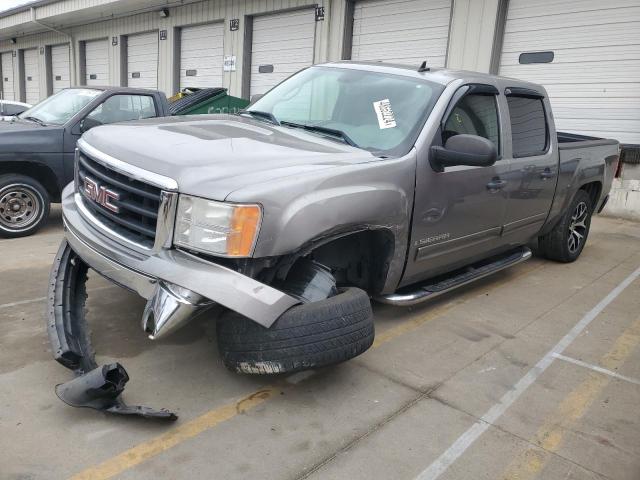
88, 123
463, 149
256, 97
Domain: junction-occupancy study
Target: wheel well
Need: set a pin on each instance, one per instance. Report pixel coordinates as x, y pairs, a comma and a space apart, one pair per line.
359, 259
39, 172
593, 189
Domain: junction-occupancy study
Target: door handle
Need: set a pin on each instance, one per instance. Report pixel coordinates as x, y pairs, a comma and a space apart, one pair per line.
547, 173
496, 184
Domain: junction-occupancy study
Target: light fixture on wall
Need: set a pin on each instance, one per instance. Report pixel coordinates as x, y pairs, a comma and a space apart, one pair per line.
14, 41
164, 13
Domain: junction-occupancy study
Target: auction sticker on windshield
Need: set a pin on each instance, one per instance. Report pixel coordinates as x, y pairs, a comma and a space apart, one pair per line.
386, 118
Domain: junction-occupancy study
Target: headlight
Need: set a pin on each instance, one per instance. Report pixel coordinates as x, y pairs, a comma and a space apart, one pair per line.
223, 229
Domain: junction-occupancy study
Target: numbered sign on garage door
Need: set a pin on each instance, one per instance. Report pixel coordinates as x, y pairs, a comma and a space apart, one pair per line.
6, 70
60, 76
142, 60
96, 54
282, 44
401, 31
201, 56
31, 76
587, 56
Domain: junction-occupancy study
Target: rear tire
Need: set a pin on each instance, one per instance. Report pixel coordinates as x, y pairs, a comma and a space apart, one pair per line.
306, 336
567, 239
24, 206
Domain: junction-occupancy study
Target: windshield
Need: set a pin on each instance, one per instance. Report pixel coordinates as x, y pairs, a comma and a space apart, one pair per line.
379, 112
61, 107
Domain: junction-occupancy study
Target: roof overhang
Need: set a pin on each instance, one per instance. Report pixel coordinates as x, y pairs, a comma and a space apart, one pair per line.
64, 14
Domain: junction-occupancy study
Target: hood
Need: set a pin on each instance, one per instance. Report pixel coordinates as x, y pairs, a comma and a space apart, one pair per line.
214, 155
20, 136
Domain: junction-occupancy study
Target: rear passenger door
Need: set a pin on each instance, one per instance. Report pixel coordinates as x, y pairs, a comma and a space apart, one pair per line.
534, 164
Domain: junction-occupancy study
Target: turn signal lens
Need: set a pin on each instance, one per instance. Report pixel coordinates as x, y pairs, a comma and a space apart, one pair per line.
244, 230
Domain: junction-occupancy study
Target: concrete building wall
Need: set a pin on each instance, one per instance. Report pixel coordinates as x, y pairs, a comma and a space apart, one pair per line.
470, 43
473, 33
328, 41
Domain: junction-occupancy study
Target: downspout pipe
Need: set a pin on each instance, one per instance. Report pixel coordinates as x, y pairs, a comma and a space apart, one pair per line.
72, 43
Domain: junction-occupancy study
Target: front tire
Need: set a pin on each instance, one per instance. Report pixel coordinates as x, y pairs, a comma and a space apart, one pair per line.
567, 239
24, 206
306, 336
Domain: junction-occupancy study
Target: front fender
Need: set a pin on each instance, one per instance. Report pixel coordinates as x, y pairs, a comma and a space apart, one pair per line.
373, 195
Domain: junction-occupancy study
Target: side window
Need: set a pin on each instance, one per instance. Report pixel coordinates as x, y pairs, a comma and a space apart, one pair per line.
528, 126
474, 114
120, 108
13, 109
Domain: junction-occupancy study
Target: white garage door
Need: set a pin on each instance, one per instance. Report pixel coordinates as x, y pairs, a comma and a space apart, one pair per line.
401, 31
96, 54
60, 75
201, 56
142, 60
6, 64
282, 44
594, 78
31, 77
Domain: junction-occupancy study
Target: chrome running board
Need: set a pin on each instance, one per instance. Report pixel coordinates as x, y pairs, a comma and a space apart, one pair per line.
413, 295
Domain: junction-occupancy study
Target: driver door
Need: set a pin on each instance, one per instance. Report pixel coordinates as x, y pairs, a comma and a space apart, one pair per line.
459, 212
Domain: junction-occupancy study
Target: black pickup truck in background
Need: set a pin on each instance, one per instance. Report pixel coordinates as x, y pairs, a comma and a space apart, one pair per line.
37, 147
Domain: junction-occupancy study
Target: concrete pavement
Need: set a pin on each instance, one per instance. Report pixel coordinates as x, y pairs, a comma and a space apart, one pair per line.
433, 373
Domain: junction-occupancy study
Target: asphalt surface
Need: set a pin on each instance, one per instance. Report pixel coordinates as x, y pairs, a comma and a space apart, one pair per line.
531, 373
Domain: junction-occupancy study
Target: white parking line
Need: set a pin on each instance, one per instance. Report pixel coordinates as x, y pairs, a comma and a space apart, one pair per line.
457, 449
42, 299
596, 368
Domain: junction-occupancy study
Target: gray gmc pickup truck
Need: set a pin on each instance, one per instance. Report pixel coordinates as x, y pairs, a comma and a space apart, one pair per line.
346, 182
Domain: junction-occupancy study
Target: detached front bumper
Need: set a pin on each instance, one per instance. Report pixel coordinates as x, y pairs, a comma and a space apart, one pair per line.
180, 274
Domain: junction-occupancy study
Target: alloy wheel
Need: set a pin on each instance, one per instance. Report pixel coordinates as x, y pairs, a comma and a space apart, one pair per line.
578, 227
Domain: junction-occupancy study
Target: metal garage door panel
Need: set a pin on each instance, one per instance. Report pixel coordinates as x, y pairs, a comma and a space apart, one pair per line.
201, 56
31, 77
594, 79
60, 75
97, 62
142, 60
285, 41
6, 63
401, 31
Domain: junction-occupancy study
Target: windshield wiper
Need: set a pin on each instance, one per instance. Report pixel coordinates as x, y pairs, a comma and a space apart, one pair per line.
36, 120
328, 131
256, 113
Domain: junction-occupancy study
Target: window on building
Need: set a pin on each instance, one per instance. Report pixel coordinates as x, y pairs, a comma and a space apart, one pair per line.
474, 114
535, 57
529, 132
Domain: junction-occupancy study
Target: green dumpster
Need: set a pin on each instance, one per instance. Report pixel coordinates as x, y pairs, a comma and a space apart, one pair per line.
206, 101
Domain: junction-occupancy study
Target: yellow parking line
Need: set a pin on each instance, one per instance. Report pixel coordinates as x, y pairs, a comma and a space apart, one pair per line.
184, 431
143, 451
530, 462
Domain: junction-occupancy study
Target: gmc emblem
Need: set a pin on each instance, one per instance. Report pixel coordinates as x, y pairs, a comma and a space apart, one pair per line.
101, 195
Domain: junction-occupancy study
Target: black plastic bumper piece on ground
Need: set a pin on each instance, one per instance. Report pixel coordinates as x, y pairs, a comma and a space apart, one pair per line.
100, 389
94, 387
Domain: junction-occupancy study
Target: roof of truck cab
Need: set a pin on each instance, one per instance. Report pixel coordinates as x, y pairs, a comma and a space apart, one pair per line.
444, 76
107, 88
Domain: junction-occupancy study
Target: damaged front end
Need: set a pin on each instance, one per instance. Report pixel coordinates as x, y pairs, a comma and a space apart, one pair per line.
97, 387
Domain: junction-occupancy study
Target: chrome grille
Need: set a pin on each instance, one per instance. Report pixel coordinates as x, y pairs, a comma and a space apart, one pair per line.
137, 203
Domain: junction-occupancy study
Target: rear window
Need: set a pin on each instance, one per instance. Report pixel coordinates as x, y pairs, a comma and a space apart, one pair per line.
528, 126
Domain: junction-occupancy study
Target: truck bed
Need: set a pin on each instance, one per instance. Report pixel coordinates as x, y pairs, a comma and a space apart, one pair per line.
568, 141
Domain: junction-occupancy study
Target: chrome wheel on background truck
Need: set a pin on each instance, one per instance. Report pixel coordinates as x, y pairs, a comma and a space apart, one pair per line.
24, 206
